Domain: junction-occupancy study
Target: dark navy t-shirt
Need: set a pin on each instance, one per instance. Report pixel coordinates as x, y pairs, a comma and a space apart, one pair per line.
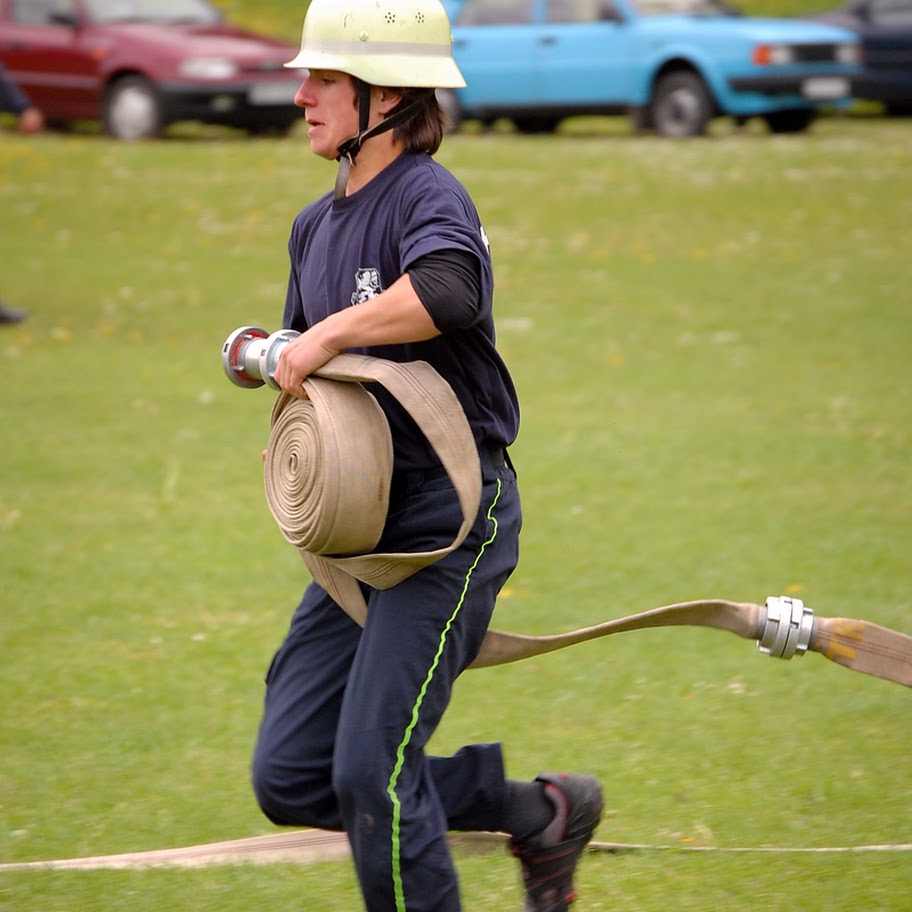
346, 251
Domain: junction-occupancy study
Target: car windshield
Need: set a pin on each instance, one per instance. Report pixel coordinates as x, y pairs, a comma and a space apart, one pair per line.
152, 11
685, 8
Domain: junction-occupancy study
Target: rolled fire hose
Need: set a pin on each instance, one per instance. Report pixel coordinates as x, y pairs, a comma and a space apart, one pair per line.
328, 471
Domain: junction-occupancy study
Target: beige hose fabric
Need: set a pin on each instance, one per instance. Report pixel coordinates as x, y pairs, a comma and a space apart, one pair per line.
332, 440
328, 470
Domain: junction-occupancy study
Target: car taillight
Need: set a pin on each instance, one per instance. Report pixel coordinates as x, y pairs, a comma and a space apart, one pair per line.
773, 55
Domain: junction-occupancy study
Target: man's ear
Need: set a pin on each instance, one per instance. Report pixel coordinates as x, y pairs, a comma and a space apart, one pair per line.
387, 99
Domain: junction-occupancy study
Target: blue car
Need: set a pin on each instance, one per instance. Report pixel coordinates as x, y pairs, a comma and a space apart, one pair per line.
671, 65
453, 7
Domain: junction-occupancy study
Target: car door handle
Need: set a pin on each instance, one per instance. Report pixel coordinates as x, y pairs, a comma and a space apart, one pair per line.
547, 40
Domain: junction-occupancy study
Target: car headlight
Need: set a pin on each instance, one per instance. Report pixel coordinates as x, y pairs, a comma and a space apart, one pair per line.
773, 55
848, 53
208, 68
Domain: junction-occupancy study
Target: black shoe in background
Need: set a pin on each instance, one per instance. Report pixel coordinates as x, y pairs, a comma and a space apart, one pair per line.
7, 315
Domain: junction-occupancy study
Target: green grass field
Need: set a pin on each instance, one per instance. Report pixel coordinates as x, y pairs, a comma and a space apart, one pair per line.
712, 344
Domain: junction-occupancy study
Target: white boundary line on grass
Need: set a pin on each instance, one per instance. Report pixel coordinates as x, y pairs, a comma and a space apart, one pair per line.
309, 846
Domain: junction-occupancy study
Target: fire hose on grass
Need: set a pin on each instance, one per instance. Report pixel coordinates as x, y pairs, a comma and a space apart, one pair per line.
328, 471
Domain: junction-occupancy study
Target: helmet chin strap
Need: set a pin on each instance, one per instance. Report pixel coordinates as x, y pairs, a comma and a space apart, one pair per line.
349, 150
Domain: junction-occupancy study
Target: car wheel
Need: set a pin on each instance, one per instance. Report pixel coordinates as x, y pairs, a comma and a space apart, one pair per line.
794, 121
640, 118
449, 103
681, 105
132, 109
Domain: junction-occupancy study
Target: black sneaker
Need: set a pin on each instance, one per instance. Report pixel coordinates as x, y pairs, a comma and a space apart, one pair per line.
549, 858
8, 315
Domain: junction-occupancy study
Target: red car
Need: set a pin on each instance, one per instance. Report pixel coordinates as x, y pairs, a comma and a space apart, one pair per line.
139, 65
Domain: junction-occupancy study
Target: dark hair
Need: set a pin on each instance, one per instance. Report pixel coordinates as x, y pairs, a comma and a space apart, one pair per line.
423, 129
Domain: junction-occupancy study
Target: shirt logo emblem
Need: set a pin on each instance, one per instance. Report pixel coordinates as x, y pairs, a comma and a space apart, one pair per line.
367, 285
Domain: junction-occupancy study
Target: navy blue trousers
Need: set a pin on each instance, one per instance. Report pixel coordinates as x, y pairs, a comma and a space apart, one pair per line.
348, 712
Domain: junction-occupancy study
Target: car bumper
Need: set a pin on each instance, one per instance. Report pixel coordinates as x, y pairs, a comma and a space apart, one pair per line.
890, 86
248, 105
815, 88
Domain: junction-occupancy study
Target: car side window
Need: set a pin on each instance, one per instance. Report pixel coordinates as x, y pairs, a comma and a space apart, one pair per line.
41, 12
582, 11
503, 12
887, 12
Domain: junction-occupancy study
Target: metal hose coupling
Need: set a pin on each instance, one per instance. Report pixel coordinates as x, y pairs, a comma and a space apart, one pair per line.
786, 626
250, 355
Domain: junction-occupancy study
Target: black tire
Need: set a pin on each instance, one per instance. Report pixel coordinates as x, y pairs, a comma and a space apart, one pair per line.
640, 119
449, 103
132, 109
793, 121
681, 105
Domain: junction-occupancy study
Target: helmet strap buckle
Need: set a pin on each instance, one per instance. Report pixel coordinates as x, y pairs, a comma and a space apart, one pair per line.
349, 150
